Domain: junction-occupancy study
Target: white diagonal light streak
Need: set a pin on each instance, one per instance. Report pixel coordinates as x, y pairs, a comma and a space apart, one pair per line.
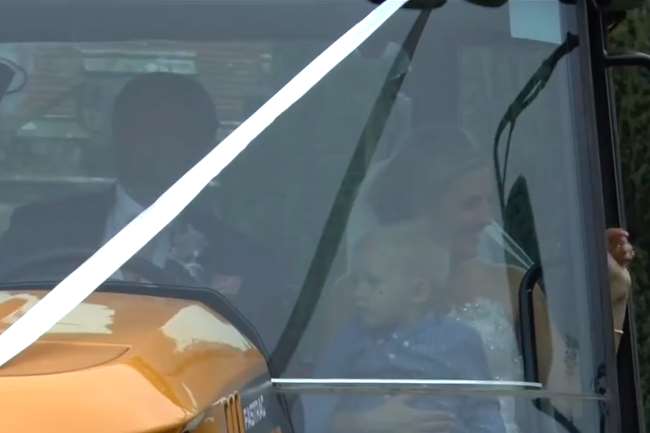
125, 244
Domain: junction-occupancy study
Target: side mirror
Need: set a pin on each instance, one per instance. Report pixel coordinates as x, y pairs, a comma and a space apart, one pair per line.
519, 221
6, 77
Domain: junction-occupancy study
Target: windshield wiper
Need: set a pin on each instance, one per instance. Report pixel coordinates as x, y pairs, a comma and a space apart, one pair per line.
516, 209
533, 87
337, 219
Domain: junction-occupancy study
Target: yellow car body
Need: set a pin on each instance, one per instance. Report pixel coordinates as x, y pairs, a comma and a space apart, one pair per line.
123, 363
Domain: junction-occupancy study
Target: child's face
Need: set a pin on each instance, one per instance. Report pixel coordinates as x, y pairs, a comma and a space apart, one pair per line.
383, 295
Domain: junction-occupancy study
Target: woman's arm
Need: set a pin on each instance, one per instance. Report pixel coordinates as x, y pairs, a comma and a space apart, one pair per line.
620, 254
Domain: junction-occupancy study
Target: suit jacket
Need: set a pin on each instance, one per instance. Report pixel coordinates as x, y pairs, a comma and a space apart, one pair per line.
79, 223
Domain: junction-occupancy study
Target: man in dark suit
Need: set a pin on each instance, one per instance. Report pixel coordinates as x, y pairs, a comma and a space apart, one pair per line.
162, 125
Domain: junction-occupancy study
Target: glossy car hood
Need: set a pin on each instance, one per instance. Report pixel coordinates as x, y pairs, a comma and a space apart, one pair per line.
122, 363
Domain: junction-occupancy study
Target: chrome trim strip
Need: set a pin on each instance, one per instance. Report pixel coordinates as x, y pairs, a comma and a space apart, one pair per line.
408, 382
529, 390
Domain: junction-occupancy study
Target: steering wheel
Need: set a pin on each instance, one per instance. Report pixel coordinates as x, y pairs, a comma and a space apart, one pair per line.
58, 263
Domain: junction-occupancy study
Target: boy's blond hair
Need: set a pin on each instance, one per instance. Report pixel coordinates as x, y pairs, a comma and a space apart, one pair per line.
408, 250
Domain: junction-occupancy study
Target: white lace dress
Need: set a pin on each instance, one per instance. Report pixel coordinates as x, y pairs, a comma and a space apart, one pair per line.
491, 320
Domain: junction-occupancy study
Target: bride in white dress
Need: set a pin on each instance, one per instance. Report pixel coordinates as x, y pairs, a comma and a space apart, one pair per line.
441, 187
505, 362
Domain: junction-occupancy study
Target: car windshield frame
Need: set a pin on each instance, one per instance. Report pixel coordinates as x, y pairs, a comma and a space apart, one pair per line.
60, 31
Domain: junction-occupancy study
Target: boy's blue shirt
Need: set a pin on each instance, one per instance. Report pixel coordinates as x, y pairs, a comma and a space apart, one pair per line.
430, 348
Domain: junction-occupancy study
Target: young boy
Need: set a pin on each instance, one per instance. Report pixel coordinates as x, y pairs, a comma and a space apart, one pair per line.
396, 334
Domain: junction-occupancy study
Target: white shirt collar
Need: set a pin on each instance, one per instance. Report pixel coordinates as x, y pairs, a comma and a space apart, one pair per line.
125, 207
188, 242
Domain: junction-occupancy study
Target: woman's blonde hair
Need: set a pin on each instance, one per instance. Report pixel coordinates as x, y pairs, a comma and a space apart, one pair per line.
420, 174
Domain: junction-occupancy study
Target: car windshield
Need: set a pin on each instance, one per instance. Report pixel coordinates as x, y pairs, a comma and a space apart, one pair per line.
370, 232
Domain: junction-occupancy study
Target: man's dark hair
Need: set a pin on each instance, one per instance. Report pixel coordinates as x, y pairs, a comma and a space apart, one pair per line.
149, 90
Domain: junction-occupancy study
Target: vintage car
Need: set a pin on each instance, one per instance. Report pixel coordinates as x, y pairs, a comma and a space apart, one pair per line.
288, 216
